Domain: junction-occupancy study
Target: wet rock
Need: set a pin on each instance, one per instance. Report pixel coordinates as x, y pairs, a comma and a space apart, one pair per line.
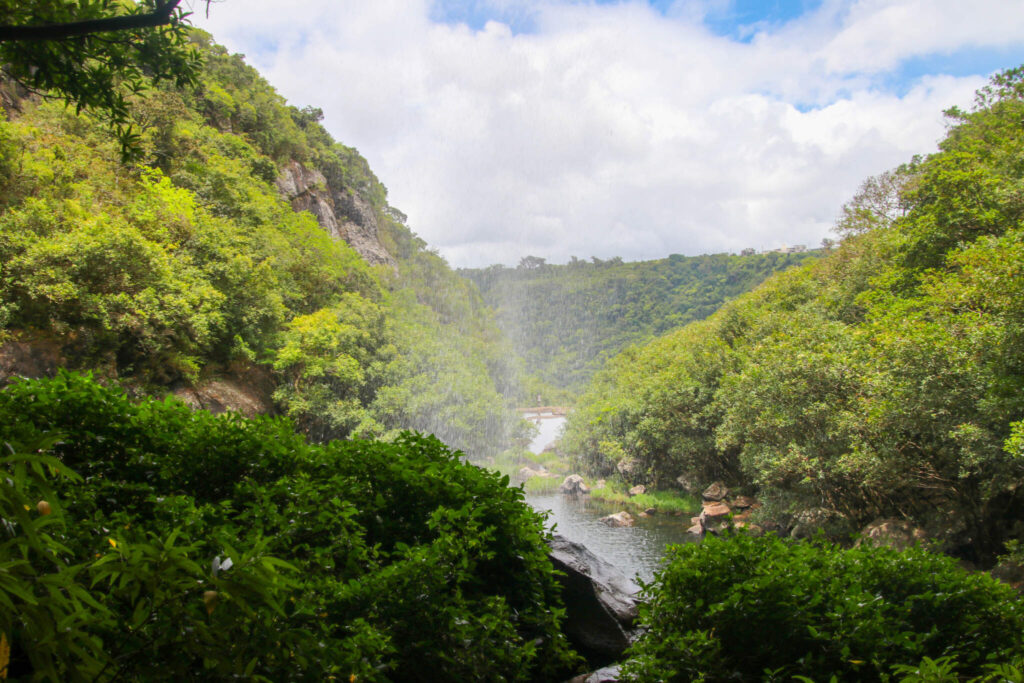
32, 358
714, 511
600, 602
650, 511
1009, 572
717, 491
686, 484
528, 473
627, 468
714, 517
608, 674
248, 392
806, 523
573, 485
743, 503
697, 529
638, 490
895, 533
618, 519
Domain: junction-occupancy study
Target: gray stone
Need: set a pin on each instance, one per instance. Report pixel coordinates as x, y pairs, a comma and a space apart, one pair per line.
573, 485
600, 602
344, 214
806, 523
628, 467
608, 674
618, 519
717, 491
638, 490
744, 502
895, 533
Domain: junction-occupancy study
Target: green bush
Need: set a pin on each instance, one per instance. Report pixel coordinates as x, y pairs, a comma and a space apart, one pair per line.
746, 608
383, 561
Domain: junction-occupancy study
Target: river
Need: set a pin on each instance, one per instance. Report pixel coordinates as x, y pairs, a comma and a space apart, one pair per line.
635, 551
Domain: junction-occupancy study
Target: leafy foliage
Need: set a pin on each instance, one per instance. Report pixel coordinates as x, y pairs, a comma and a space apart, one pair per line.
97, 72
882, 381
745, 608
403, 563
190, 265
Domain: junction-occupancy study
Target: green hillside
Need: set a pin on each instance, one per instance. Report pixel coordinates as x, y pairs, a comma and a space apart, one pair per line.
883, 381
227, 249
565, 321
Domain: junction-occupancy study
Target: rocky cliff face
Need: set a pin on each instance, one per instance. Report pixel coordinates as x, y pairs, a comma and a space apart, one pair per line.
341, 212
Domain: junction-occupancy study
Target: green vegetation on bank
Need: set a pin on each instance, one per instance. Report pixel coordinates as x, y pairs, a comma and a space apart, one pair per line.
882, 381
564, 321
741, 608
147, 541
664, 502
189, 265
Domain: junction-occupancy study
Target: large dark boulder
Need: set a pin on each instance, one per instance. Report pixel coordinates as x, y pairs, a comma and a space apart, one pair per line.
600, 602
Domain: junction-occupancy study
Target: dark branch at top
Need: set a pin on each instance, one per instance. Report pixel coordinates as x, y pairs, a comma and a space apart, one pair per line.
162, 14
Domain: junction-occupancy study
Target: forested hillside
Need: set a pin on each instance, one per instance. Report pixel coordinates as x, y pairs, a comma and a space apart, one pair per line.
237, 245
886, 380
565, 321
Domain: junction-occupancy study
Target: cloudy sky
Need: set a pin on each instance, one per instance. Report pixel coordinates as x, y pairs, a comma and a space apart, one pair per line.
625, 128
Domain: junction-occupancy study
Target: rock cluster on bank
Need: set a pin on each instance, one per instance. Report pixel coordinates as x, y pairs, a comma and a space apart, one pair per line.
719, 511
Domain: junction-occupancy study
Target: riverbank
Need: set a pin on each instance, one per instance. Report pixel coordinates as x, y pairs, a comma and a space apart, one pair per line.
674, 503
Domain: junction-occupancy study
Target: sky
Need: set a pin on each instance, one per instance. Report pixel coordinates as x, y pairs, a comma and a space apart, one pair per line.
631, 128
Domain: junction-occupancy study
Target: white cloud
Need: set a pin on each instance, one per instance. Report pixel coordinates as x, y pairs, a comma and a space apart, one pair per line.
611, 129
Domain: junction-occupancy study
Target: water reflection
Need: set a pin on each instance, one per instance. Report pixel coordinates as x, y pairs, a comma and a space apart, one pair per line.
635, 551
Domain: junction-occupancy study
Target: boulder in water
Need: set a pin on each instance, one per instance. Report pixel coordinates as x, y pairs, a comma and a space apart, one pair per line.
600, 603
618, 519
573, 485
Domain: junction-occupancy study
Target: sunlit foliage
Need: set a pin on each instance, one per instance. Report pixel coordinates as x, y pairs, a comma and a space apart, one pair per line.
884, 380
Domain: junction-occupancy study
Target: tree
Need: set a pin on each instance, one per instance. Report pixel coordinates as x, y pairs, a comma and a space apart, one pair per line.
879, 202
531, 262
94, 54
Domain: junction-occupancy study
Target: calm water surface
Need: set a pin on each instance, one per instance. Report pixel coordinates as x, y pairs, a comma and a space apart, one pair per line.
635, 550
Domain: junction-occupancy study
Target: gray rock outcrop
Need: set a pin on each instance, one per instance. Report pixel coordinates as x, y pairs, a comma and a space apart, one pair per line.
248, 393
341, 212
600, 603
31, 358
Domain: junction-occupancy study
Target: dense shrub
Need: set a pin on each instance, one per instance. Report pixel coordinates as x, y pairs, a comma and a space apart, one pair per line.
745, 608
383, 561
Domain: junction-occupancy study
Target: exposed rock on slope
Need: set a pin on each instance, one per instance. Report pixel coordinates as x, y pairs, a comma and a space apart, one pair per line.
341, 212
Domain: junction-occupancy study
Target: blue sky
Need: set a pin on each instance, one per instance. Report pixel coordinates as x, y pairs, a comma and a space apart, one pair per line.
625, 128
732, 19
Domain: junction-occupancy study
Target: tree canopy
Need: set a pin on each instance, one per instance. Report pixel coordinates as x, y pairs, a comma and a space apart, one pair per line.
882, 381
94, 55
